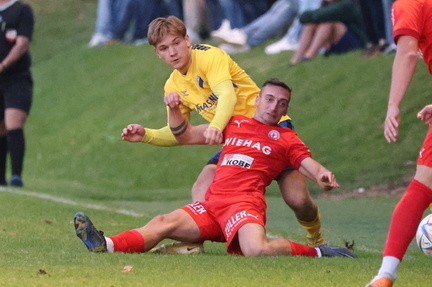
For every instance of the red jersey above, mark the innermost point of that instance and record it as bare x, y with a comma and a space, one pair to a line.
253, 155
414, 18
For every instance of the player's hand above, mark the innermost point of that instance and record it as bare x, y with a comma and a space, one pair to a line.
426, 114
391, 124
213, 136
133, 133
172, 100
327, 181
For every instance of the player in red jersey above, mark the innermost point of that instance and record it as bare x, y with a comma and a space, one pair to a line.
212, 84
256, 150
412, 32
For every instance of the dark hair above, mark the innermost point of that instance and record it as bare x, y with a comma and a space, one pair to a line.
277, 82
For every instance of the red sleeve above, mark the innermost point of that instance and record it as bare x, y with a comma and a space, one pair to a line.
297, 151
406, 15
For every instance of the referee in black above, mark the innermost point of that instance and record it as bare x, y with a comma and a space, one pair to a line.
16, 85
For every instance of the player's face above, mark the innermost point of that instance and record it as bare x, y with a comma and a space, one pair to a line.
175, 51
272, 104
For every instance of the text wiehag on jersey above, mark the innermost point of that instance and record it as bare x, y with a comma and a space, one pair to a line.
249, 143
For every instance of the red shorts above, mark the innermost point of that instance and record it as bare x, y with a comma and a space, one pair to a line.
425, 155
219, 220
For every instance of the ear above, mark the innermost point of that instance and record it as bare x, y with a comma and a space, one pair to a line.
257, 100
188, 41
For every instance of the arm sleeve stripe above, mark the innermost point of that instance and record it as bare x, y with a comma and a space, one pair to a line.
180, 129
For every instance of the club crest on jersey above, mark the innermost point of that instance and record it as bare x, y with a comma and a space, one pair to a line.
11, 35
238, 159
274, 134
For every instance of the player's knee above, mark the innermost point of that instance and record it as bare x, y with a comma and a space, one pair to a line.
303, 205
254, 250
165, 223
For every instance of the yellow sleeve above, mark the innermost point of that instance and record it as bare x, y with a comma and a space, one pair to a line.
227, 100
163, 137
160, 137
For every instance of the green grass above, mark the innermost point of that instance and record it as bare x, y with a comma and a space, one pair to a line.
75, 160
37, 236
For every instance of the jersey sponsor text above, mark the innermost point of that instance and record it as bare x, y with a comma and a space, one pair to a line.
249, 143
234, 220
238, 159
209, 104
197, 207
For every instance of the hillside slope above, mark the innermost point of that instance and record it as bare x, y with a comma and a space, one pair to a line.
84, 97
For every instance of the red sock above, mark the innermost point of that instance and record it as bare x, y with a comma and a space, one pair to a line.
128, 242
302, 250
406, 218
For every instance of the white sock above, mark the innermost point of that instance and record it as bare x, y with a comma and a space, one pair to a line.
389, 267
319, 252
109, 244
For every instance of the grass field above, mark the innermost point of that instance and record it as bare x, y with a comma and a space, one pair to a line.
76, 161
39, 247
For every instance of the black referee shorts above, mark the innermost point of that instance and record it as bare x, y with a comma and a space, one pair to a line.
16, 91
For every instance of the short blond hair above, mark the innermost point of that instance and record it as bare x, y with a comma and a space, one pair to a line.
161, 27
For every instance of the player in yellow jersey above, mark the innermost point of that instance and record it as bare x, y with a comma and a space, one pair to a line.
210, 82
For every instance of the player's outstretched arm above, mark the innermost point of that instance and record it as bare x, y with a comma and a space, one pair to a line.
184, 132
318, 173
133, 133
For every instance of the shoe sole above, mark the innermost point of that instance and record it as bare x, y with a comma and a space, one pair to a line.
82, 228
342, 254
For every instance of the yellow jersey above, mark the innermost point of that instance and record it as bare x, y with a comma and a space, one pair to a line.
209, 67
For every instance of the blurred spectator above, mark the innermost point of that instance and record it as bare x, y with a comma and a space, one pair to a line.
387, 6
107, 18
201, 17
337, 27
134, 21
271, 24
196, 19
239, 13
290, 41
174, 8
373, 19
127, 20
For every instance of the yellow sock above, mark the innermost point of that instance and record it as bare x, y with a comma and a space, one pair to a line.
313, 230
